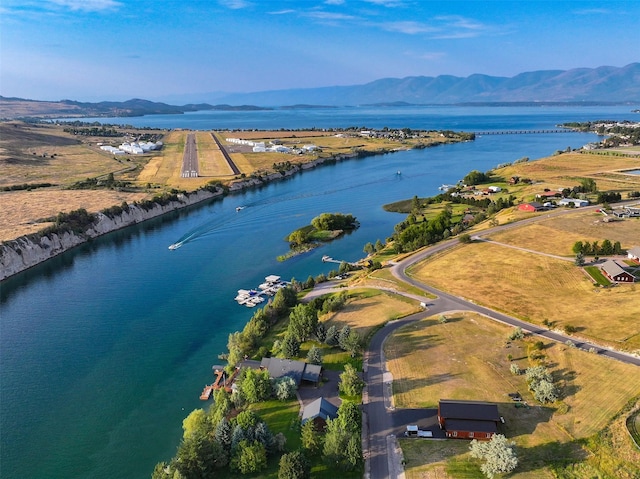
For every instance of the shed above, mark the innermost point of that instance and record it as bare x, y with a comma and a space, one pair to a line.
615, 273
319, 411
573, 201
468, 419
634, 254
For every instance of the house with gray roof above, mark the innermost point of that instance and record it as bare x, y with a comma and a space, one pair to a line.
298, 370
616, 273
319, 411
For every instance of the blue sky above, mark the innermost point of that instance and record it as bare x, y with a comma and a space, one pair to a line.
94, 50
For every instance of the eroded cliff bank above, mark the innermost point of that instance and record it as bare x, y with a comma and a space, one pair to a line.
23, 253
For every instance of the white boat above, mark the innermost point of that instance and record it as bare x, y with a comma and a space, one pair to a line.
175, 246
238, 208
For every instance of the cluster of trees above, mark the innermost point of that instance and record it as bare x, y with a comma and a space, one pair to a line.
76, 221
212, 441
612, 197
476, 177
410, 236
371, 248
94, 131
283, 166
93, 183
499, 455
594, 249
26, 186
541, 384
334, 221
341, 444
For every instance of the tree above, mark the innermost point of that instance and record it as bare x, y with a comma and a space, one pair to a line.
369, 248
298, 238
350, 382
302, 322
342, 448
284, 388
249, 458
579, 261
321, 332
350, 416
332, 336
578, 247
465, 238
499, 455
352, 343
255, 385
314, 356
311, 440
294, 465
379, 246
343, 336
194, 423
290, 346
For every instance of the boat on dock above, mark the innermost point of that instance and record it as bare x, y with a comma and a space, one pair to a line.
253, 297
446, 187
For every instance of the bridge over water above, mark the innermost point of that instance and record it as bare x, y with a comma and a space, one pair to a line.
522, 132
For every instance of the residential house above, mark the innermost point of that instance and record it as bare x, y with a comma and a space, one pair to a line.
531, 206
615, 273
319, 411
298, 370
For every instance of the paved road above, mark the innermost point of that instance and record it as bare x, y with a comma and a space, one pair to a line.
190, 158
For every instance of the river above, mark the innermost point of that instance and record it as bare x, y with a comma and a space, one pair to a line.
105, 349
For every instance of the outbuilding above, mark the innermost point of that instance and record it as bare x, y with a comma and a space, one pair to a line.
573, 201
468, 419
634, 254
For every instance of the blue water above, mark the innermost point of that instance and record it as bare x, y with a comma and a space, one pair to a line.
104, 350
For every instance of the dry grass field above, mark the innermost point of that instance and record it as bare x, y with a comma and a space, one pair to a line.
366, 310
22, 211
566, 170
430, 360
537, 288
212, 163
558, 235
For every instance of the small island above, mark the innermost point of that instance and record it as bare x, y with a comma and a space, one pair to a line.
323, 228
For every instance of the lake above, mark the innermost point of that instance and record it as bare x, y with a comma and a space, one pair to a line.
105, 349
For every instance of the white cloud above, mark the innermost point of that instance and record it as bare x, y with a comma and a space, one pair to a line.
88, 5
235, 4
319, 15
592, 11
408, 27
334, 2
387, 3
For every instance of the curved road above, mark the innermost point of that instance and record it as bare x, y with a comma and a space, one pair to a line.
381, 458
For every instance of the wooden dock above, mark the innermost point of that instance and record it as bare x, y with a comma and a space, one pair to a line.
207, 392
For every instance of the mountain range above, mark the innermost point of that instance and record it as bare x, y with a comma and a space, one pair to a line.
580, 85
602, 84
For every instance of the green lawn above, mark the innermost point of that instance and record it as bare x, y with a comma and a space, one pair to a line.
597, 275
